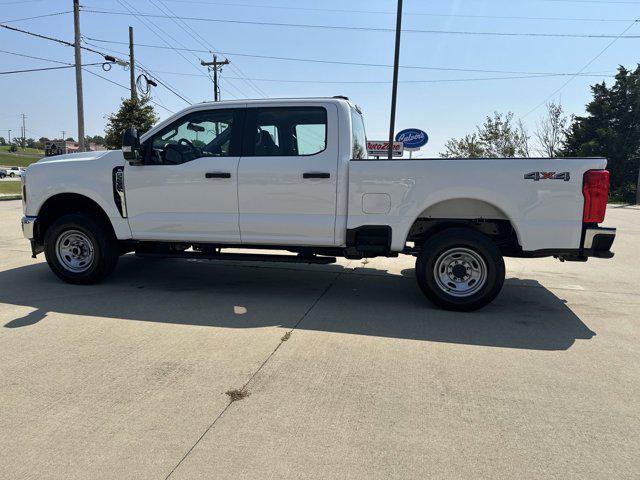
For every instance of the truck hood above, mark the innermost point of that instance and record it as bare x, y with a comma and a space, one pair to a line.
74, 157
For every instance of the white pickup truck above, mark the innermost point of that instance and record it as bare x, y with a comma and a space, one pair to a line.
293, 175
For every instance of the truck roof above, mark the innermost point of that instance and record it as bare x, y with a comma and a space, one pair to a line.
271, 100
239, 102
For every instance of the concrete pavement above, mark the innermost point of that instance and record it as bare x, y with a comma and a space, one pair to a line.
127, 379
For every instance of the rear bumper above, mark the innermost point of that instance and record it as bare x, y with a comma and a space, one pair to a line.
598, 241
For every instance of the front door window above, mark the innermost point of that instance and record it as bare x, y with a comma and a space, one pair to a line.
197, 135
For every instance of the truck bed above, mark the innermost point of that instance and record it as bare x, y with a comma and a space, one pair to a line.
542, 198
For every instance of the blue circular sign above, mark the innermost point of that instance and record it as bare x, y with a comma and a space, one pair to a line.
412, 138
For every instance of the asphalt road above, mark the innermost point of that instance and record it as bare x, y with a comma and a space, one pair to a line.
127, 379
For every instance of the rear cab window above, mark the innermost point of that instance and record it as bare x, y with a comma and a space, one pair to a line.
358, 136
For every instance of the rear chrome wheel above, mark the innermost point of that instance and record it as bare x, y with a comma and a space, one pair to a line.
460, 272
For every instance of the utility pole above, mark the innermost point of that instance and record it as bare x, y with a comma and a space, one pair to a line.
63, 136
78, 58
9, 137
214, 66
394, 88
132, 66
24, 130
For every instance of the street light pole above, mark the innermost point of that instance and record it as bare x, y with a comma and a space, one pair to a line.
394, 91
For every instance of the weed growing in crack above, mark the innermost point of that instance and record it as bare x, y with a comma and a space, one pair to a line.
235, 394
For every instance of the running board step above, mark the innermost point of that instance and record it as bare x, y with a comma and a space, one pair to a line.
244, 257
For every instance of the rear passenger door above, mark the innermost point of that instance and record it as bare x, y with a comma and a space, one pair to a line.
287, 175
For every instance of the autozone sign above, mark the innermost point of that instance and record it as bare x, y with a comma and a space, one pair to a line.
378, 148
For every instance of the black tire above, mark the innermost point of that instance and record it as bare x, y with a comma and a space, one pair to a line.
12, 174
448, 244
101, 240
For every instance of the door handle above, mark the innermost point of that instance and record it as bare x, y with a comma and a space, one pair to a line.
217, 175
316, 175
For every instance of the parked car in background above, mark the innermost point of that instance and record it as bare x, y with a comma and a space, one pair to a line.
15, 172
3, 173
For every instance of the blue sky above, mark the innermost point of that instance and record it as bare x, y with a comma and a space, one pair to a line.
448, 109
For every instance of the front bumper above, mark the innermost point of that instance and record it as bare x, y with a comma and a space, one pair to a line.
28, 227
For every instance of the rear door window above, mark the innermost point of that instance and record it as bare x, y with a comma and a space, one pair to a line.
285, 131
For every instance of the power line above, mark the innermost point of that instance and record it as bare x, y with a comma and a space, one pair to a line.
42, 69
233, 66
581, 70
37, 16
162, 7
69, 44
35, 58
17, 2
136, 13
153, 73
189, 29
52, 39
357, 64
386, 82
148, 71
592, 1
126, 88
133, 11
378, 29
409, 14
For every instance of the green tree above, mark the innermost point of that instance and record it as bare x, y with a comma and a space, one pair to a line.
97, 139
611, 129
41, 143
498, 136
132, 113
3, 142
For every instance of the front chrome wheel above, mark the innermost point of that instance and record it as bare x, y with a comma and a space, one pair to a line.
460, 272
74, 251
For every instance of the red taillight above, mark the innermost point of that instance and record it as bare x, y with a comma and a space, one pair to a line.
595, 188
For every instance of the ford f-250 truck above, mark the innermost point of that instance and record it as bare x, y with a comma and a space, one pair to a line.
293, 175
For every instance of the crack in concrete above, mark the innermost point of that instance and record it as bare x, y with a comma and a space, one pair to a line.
246, 384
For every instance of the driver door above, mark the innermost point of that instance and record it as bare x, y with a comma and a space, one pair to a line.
187, 188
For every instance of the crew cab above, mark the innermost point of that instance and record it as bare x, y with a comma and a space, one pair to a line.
293, 175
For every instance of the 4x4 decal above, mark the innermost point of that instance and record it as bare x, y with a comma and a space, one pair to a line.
537, 176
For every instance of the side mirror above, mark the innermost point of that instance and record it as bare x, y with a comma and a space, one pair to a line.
131, 145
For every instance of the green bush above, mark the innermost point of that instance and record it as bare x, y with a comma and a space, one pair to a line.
624, 194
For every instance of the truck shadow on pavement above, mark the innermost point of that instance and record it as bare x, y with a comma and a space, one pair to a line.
360, 301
